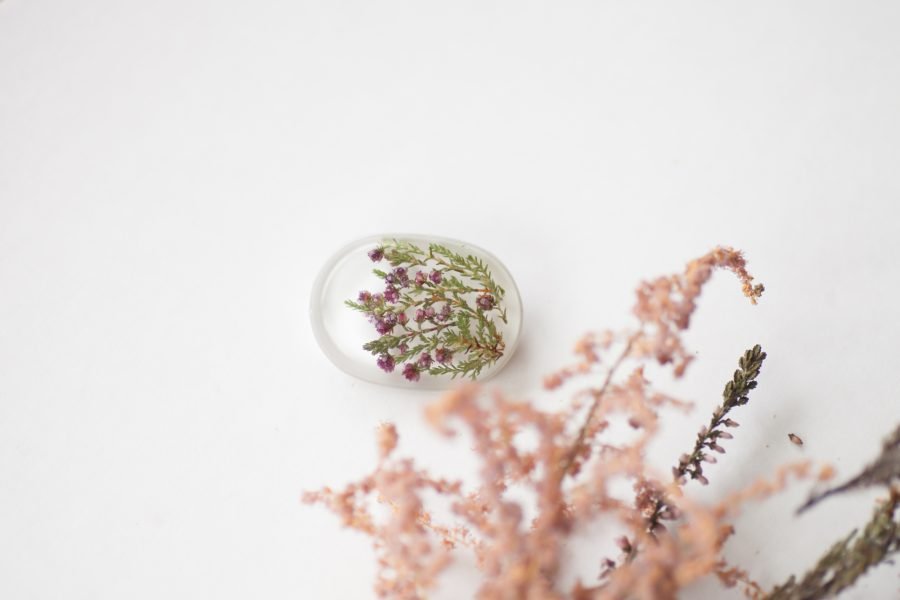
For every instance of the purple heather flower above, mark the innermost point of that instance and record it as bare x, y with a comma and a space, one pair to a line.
391, 294
390, 318
445, 313
442, 355
429, 312
382, 327
411, 372
435, 277
420, 278
378, 298
424, 361
402, 318
390, 279
376, 254
365, 297
385, 362
403, 348
400, 276
420, 315
485, 302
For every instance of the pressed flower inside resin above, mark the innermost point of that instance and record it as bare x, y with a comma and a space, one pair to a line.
425, 310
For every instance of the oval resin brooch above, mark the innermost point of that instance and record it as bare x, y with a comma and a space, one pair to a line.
413, 310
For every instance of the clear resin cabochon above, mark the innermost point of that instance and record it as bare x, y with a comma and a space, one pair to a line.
341, 331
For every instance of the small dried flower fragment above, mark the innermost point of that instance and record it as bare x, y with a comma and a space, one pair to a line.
410, 372
795, 439
387, 439
485, 302
386, 363
443, 355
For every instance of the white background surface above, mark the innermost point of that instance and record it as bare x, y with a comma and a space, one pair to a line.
172, 175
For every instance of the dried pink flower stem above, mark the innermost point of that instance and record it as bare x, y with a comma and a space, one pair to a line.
578, 444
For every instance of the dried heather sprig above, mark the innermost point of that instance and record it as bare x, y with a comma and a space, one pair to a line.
438, 302
844, 563
885, 470
691, 465
735, 394
664, 307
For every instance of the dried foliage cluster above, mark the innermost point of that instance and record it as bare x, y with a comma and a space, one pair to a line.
572, 473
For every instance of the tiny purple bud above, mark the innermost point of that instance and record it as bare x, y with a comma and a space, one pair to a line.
420, 278
442, 355
725, 435
365, 297
390, 318
403, 348
425, 360
445, 313
420, 315
391, 294
378, 298
411, 372
401, 277
385, 362
717, 448
429, 312
390, 279
436, 277
708, 458
730, 423
485, 302
376, 254
402, 318
703, 480
382, 327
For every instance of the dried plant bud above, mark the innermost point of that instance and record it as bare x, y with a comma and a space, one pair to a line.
826, 473
624, 544
795, 439
387, 439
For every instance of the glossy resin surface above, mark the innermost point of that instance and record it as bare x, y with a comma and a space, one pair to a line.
341, 331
